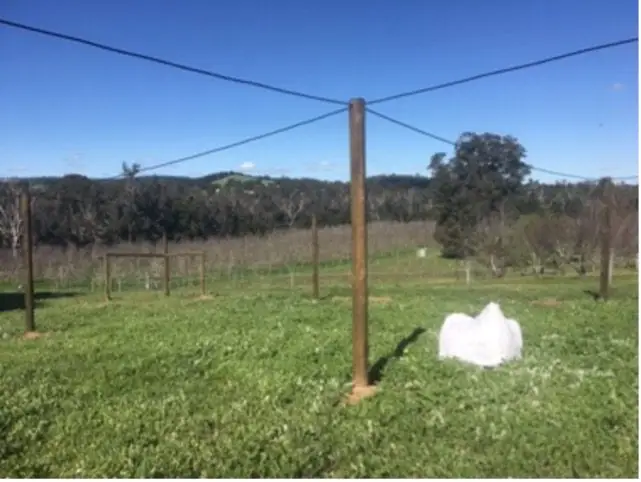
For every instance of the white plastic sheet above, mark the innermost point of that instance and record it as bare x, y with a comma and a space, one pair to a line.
488, 340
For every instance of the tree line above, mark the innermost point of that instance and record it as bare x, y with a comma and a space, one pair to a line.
481, 198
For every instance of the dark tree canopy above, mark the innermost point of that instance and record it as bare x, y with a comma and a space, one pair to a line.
480, 200
486, 173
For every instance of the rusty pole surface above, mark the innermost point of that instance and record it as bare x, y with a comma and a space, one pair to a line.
27, 246
359, 243
315, 259
167, 274
107, 266
606, 245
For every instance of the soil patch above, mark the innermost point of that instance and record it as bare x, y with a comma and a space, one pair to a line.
359, 393
550, 302
372, 299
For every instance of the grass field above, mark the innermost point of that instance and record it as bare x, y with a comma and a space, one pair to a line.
251, 384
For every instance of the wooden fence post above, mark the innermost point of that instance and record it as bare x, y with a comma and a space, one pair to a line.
203, 266
606, 241
315, 259
107, 266
27, 246
167, 273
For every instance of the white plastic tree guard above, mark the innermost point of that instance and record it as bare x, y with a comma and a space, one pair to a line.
488, 340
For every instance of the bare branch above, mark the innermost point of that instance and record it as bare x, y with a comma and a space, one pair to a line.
11, 222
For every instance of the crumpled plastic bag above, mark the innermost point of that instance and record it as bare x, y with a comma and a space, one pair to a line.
488, 340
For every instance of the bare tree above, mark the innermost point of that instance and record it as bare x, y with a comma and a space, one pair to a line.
292, 206
131, 194
415, 203
626, 234
625, 222
533, 241
488, 243
11, 221
89, 224
338, 199
375, 201
254, 203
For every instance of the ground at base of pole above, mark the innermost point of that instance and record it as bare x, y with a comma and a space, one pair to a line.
32, 335
359, 393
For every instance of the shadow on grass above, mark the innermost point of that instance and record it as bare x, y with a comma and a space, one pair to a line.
377, 370
618, 293
15, 301
595, 295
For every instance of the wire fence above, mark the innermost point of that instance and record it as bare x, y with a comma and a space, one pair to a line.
277, 258
398, 252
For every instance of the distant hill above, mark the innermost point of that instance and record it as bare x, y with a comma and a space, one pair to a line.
223, 178
241, 178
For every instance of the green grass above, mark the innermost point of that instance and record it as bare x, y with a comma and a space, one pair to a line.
251, 385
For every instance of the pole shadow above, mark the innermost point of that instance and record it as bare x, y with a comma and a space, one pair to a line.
376, 372
10, 301
595, 295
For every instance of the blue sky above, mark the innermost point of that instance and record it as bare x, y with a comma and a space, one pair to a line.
70, 108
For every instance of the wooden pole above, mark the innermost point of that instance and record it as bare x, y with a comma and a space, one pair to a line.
27, 246
167, 274
315, 259
606, 241
359, 244
203, 265
107, 277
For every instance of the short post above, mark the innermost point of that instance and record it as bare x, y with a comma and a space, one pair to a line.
167, 274
360, 347
203, 265
27, 246
315, 259
107, 266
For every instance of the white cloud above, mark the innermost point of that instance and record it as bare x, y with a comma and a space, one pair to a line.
617, 86
247, 166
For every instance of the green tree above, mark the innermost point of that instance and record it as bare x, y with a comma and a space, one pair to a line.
474, 186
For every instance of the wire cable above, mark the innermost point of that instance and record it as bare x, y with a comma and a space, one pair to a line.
248, 140
452, 143
506, 70
168, 63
